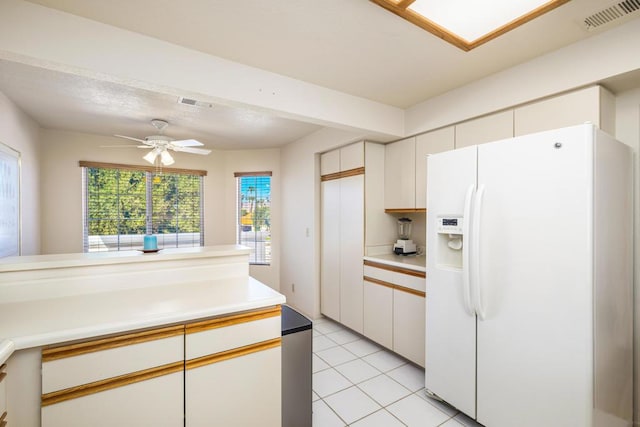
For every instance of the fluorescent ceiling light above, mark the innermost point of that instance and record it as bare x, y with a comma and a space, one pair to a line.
469, 23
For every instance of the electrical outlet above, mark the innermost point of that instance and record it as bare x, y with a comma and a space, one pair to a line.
307, 232
293, 287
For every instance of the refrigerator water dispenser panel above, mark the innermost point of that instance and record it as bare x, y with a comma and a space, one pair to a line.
450, 241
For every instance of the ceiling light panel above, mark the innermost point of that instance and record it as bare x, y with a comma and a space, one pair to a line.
472, 19
469, 23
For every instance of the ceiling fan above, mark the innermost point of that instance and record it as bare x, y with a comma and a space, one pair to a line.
160, 144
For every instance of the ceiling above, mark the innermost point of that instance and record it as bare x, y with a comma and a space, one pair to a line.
352, 46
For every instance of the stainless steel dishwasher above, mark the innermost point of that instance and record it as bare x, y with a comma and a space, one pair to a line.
296, 368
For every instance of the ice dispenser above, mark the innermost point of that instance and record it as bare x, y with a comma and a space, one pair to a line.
450, 241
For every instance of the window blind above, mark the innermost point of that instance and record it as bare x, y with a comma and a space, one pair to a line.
122, 204
254, 214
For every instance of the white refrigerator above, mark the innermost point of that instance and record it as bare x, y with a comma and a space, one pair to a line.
529, 280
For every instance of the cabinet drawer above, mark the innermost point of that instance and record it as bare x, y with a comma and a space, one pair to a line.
225, 333
89, 361
157, 402
405, 278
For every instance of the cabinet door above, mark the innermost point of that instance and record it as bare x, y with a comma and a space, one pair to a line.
130, 379
236, 392
155, 402
400, 174
593, 104
351, 250
378, 313
430, 143
489, 128
330, 162
409, 325
352, 156
330, 250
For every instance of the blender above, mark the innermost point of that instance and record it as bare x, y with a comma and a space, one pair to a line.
404, 245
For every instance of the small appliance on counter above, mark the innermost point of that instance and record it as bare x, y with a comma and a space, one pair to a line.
404, 245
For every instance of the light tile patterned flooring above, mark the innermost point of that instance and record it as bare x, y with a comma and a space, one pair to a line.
358, 383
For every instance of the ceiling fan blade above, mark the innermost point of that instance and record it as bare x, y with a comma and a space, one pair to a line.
131, 138
187, 143
192, 150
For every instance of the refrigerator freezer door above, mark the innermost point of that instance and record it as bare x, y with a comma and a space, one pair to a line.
450, 357
535, 342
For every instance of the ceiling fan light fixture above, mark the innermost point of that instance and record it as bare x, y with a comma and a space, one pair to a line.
166, 158
151, 155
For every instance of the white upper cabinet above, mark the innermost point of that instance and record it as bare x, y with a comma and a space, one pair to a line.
485, 129
330, 162
400, 175
352, 156
593, 104
430, 143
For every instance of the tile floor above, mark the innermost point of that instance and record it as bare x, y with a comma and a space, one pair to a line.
358, 383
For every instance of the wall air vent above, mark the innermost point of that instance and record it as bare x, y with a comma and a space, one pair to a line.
195, 102
610, 14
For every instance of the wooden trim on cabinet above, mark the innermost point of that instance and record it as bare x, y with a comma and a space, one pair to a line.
379, 282
110, 383
221, 322
394, 286
395, 269
405, 210
84, 347
343, 174
233, 353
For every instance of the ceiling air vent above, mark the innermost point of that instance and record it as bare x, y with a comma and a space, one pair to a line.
195, 102
610, 14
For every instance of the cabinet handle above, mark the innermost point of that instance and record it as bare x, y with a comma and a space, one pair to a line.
110, 383
406, 271
231, 354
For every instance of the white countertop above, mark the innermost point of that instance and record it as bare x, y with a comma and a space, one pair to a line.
39, 262
411, 262
46, 321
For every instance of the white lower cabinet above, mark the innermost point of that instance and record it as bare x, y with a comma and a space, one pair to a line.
409, 325
240, 391
220, 371
154, 402
394, 309
233, 371
378, 313
130, 379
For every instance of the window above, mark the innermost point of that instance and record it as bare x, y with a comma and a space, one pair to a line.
123, 203
254, 214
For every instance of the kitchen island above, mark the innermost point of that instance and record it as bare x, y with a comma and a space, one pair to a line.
139, 339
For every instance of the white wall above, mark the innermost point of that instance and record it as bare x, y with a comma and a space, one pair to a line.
300, 248
21, 133
580, 64
61, 190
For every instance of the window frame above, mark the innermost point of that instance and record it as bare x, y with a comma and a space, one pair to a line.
266, 259
150, 173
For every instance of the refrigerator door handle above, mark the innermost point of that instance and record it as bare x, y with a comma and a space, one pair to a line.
466, 251
475, 254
